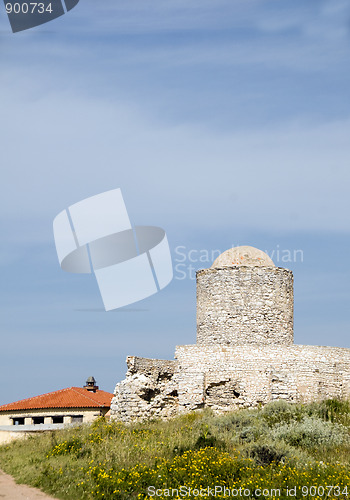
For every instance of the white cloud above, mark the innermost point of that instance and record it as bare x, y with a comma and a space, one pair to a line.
62, 148
69, 132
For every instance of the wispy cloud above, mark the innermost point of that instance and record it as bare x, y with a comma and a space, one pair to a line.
295, 176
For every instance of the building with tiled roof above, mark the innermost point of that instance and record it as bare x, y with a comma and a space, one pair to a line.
54, 410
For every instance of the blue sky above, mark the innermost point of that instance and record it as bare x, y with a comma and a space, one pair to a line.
226, 123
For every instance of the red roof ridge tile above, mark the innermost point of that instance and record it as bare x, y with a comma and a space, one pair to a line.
89, 392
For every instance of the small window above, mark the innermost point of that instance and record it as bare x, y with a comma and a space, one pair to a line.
57, 420
77, 419
18, 421
38, 420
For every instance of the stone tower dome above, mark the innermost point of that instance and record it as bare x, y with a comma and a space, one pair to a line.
244, 299
243, 256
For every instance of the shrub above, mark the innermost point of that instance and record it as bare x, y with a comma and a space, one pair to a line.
269, 451
281, 412
332, 410
253, 432
265, 454
237, 420
312, 432
207, 439
70, 446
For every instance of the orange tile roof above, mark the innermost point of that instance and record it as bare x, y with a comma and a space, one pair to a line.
72, 397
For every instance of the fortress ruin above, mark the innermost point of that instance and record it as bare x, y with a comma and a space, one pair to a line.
245, 353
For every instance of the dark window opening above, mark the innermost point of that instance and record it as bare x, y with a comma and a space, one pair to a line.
38, 420
18, 421
77, 419
57, 420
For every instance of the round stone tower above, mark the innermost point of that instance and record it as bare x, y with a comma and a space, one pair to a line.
244, 299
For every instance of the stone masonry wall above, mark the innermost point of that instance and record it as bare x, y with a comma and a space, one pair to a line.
244, 354
225, 378
244, 305
149, 390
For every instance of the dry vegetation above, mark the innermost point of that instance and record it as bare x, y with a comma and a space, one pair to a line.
279, 446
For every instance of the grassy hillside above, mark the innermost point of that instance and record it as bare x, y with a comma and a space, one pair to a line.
249, 452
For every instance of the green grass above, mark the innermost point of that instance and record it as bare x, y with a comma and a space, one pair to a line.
279, 446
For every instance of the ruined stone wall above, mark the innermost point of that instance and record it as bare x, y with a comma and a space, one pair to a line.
244, 354
225, 378
244, 305
149, 390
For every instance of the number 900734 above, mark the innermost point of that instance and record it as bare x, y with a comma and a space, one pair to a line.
28, 8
